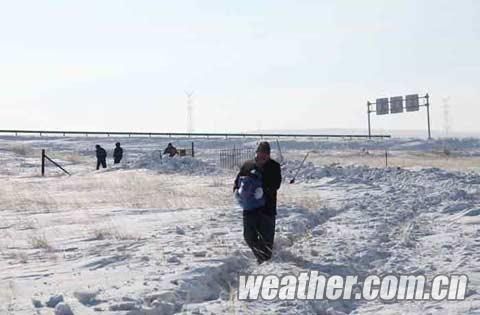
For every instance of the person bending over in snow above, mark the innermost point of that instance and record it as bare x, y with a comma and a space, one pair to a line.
170, 150
101, 156
255, 188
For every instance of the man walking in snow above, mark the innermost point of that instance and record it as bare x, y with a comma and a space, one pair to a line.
117, 153
259, 223
101, 156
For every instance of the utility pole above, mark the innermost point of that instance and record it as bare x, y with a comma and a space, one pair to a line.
427, 97
369, 126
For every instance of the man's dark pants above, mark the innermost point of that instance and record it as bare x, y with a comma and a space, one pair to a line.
102, 162
259, 233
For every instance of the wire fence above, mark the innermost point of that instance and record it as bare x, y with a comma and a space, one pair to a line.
46, 157
234, 158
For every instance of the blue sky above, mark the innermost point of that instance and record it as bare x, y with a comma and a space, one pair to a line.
125, 65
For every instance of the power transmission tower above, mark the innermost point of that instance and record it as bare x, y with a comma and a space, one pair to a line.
189, 111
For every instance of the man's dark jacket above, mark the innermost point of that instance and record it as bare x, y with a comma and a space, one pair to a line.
101, 153
118, 153
272, 179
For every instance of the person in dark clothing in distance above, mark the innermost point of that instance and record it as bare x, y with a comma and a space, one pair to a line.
117, 153
259, 224
170, 150
101, 156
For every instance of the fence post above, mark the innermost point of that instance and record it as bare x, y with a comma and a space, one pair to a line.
193, 150
43, 162
386, 158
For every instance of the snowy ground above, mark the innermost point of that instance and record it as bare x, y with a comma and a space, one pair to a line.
156, 236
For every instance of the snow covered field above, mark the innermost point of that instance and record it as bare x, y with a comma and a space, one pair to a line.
155, 236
